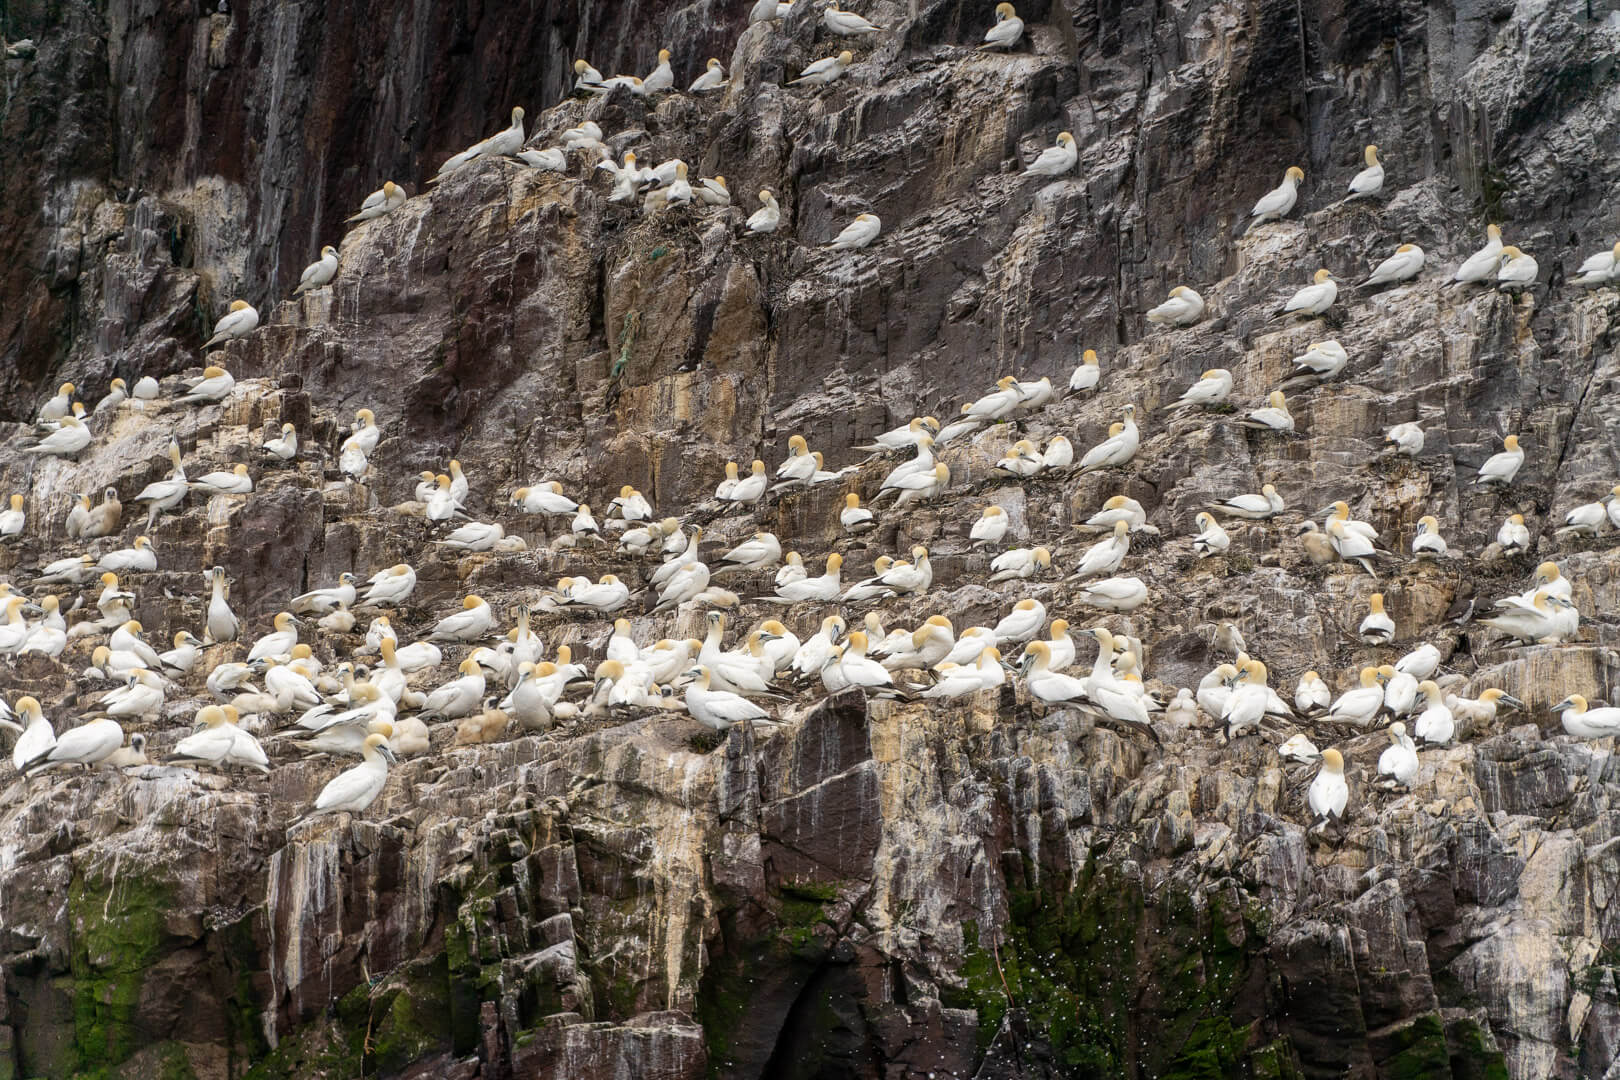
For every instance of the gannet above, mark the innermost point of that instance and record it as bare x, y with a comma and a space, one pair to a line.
1020, 563
750, 488
825, 587
1113, 594
481, 536
1182, 308
1400, 760
183, 657
1435, 725
607, 595
235, 482
1377, 628
589, 79
960, 680
1421, 662
1599, 269
459, 696
545, 498
1369, 181
65, 441
760, 551
146, 389
799, 466
1007, 30
161, 495
919, 487
641, 540
106, 518
1311, 695
1211, 538
1045, 685
1211, 388
14, 631
857, 234
1579, 721
214, 386
1482, 710
365, 431
1105, 556
278, 644
1501, 468
1087, 375
87, 744
996, 405
37, 737
285, 446
712, 191
138, 558
661, 78
1059, 453
1404, 265
1405, 439
352, 461
1247, 704
1428, 543
1360, 705
1022, 459
990, 527
845, 23
355, 789
1315, 298
679, 190
117, 394
718, 709
1518, 270
1588, 519
767, 217
319, 274
385, 200
13, 519
49, 635
1019, 625
240, 321
1544, 618
1118, 449
1400, 690
1298, 748
1328, 793
854, 517
1273, 416
1280, 199
1513, 535
713, 78
74, 570
820, 73
1267, 504
920, 649
79, 516
1055, 160
1035, 394
1482, 264
57, 406
551, 159
792, 569
1117, 508
321, 601
904, 437
390, 587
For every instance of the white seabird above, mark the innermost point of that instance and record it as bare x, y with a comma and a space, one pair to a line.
1502, 467
1370, 180
240, 321
1315, 298
1377, 628
713, 78
1400, 761
1007, 30
1273, 416
1212, 388
823, 71
319, 274
1405, 439
857, 234
1579, 721
385, 200
1518, 270
1328, 793
1183, 307
1055, 160
1280, 199
1405, 264
1482, 264
1087, 374
1267, 504
846, 23
1599, 269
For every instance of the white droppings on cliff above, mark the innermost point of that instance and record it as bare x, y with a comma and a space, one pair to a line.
303, 880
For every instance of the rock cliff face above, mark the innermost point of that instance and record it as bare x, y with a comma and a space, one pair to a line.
872, 890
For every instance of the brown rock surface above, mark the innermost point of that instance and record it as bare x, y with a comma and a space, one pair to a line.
987, 890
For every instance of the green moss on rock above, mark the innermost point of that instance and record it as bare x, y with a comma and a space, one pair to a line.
117, 930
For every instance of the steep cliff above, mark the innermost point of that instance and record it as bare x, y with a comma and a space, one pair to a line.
881, 890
